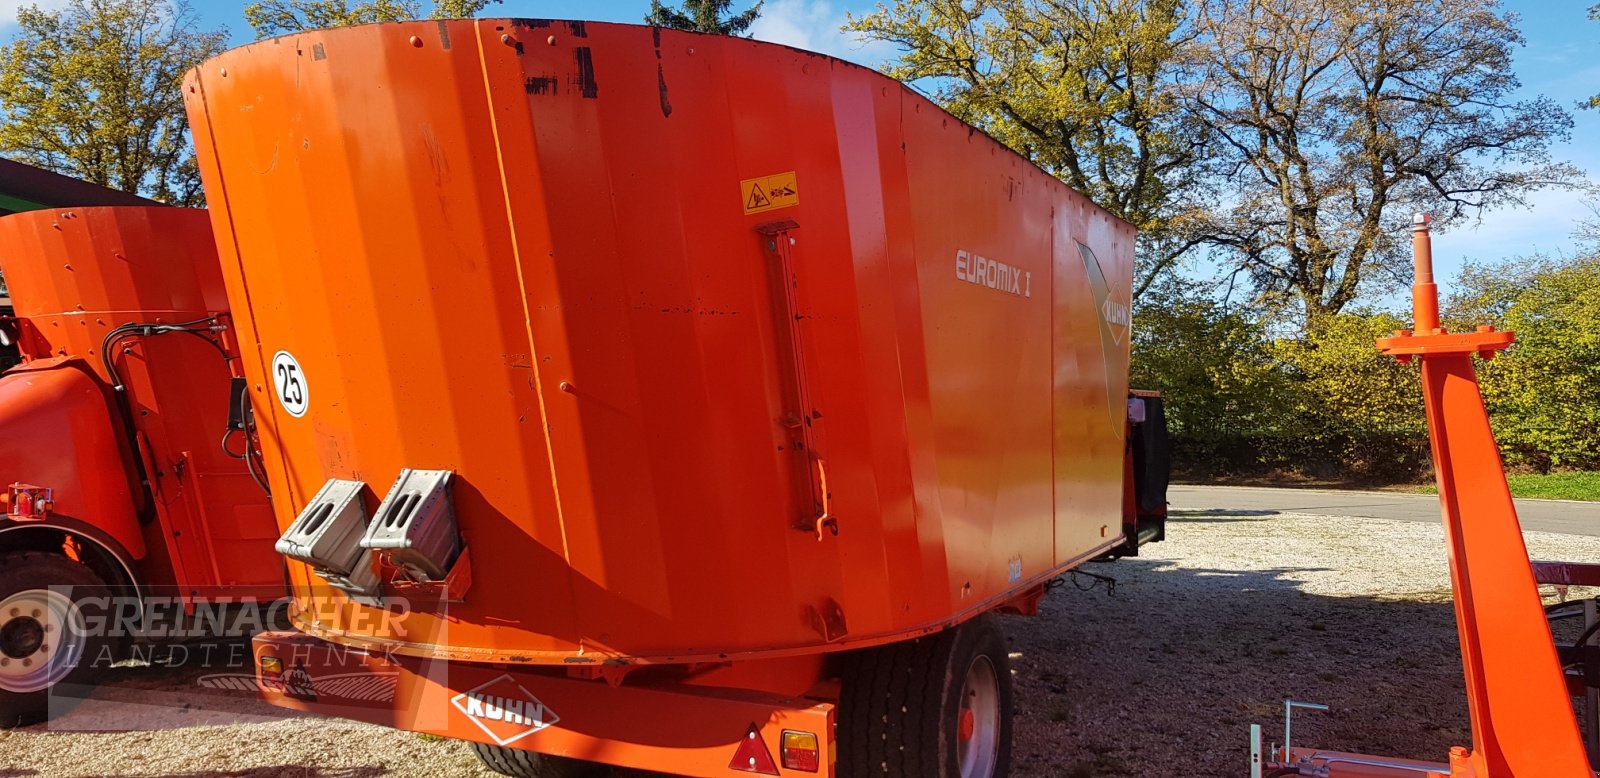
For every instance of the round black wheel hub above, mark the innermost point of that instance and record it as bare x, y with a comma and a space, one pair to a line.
21, 637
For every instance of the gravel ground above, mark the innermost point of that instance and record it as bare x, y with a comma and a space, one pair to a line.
1205, 634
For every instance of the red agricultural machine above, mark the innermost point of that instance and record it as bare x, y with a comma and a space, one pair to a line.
642, 398
109, 435
1520, 684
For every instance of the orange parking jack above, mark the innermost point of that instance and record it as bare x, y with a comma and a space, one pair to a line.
1522, 720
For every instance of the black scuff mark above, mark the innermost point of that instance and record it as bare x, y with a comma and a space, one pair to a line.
661, 83
519, 48
586, 83
541, 85
444, 35
578, 29
655, 34
537, 24
317, 52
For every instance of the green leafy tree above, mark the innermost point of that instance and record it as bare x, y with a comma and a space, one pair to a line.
276, 17
1087, 89
710, 16
1358, 411
94, 91
1339, 118
1213, 364
1541, 392
1240, 400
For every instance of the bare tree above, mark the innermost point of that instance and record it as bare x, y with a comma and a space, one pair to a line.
1338, 118
1087, 89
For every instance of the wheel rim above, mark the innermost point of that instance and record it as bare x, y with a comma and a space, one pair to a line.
978, 720
41, 640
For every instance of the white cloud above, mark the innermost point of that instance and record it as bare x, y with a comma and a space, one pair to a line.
9, 9
816, 25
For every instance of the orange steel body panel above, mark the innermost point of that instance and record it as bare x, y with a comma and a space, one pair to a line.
75, 275
676, 727
56, 431
534, 253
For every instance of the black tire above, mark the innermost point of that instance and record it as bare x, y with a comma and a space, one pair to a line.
901, 706
528, 764
28, 574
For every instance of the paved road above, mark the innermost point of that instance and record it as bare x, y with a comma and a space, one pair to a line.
1572, 518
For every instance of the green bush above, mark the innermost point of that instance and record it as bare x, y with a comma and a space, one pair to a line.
1241, 402
1544, 392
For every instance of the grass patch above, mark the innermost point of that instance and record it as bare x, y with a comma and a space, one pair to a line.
1553, 486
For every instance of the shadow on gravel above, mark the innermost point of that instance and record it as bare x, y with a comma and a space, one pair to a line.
1219, 515
1174, 668
284, 771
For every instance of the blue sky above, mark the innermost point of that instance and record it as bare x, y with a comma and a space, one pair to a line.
1561, 60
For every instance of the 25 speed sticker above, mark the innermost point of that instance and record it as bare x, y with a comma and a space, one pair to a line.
289, 384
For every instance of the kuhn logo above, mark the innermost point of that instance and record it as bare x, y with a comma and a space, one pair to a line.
504, 710
1118, 316
994, 274
1115, 320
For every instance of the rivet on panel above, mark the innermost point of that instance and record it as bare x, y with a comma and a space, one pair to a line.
551, 40
223, 72
566, 386
506, 39
691, 49
416, 42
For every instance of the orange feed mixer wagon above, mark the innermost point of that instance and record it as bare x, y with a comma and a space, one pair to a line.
662, 400
119, 491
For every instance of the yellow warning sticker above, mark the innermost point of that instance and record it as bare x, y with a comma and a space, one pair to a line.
769, 193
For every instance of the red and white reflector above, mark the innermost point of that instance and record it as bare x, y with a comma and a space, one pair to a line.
799, 751
752, 755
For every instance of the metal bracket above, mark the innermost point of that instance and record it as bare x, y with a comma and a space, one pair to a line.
1288, 721
326, 535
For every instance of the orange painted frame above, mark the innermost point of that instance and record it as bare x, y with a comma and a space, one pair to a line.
1523, 724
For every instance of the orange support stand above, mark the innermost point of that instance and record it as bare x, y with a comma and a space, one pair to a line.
1522, 719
